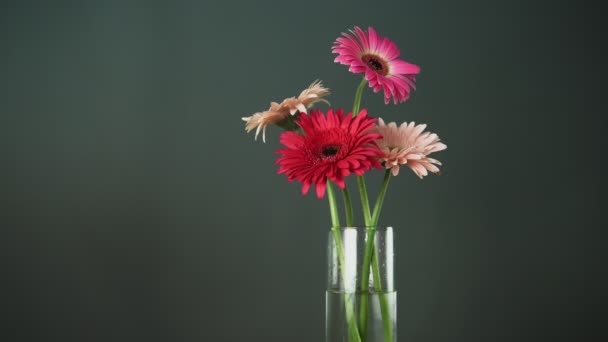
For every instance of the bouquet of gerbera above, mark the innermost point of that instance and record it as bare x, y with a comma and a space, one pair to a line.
321, 149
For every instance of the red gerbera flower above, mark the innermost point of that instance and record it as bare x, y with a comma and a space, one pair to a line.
377, 57
332, 147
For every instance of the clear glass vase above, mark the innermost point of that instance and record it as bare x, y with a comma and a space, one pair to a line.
361, 301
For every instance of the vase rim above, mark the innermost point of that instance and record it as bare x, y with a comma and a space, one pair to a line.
365, 227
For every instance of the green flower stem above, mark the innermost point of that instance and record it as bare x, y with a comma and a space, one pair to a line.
386, 319
348, 208
380, 199
369, 250
367, 217
358, 95
333, 205
363, 305
360, 180
349, 306
371, 221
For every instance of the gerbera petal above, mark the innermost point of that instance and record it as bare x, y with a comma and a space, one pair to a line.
403, 67
437, 147
343, 164
340, 182
320, 189
373, 39
305, 187
301, 107
362, 38
389, 49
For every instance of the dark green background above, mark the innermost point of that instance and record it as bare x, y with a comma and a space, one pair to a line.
135, 207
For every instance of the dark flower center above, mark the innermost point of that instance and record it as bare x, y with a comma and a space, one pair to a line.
327, 146
330, 150
377, 64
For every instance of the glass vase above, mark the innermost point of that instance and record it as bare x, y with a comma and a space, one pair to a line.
361, 301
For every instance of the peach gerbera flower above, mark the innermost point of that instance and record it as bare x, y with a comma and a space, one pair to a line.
290, 106
261, 120
408, 145
309, 96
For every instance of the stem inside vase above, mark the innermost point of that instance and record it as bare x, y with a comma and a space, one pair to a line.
347, 298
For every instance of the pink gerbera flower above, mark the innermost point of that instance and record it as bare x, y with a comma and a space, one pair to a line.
408, 145
377, 57
332, 147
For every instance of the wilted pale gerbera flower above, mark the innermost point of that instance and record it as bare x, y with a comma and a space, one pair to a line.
332, 147
309, 96
261, 120
290, 106
408, 145
377, 57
